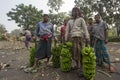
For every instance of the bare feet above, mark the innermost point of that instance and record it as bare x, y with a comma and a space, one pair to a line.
112, 69
74, 68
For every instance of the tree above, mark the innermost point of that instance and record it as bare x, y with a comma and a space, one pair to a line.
2, 29
25, 16
54, 5
55, 17
110, 12
58, 18
15, 32
3, 32
108, 9
85, 7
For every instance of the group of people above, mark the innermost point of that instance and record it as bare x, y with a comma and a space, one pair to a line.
76, 31
96, 33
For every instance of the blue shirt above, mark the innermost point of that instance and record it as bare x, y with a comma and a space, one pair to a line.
44, 29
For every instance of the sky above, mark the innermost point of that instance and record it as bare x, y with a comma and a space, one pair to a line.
6, 5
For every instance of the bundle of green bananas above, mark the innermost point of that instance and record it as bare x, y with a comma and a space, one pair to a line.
32, 56
89, 62
32, 53
66, 61
56, 55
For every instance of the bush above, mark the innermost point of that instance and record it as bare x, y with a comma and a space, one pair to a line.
2, 37
114, 39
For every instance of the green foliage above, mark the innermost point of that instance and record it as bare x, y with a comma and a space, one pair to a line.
114, 39
66, 57
2, 29
15, 32
32, 56
89, 62
2, 37
58, 18
55, 5
56, 56
108, 9
25, 16
112, 32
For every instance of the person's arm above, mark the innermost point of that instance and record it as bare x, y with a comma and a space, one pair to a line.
61, 32
93, 30
85, 29
67, 31
106, 32
106, 36
53, 33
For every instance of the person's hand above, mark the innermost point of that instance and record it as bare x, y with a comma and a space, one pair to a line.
34, 37
106, 41
56, 39
87, 41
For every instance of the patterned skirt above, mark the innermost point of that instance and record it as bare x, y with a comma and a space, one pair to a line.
101, 52
78, 45
43, 49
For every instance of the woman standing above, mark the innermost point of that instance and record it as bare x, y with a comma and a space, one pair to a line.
90, 29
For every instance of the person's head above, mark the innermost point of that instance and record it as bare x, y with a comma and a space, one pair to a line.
45, 18
76, 12
25, 29
97, 18
65, 22
90, 20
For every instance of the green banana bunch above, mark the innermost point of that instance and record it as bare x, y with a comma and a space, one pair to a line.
66, 61
32, 56
89, 62
56, 56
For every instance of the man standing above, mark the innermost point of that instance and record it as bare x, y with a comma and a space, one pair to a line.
27, 38
45, 32
75, 30
90, 29
101, 39
63, 28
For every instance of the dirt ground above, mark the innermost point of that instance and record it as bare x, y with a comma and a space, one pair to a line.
10, 54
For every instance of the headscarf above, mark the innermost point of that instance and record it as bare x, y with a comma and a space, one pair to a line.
76, 12
99, 16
